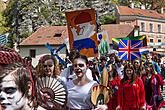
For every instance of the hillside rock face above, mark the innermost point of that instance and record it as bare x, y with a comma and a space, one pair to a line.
32, 14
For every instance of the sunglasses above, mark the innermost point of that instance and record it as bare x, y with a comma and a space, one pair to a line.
48, 66
79, 65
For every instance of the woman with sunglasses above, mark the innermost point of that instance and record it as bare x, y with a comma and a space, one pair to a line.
79, 89
152, 83
131, 95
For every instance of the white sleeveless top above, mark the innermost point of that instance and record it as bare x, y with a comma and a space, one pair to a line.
79, 96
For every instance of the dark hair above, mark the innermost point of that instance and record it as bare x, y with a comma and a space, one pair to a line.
28, 58
21, 75
83, 57
155, 58
13, 62
151, 66
73, 53
140, 68
103, 58
114, 70
129, 65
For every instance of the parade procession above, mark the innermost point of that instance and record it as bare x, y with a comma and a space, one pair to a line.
85, 62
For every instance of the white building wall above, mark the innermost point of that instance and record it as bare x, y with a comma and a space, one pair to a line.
40, 51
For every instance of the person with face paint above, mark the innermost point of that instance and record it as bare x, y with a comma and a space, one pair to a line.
13, 96
16, 83
131, 94
68, 73
79, 89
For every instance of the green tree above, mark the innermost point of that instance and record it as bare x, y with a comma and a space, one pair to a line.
108, 19
3, 29
22, 14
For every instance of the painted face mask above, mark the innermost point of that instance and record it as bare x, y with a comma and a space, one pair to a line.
80, 67
10, 97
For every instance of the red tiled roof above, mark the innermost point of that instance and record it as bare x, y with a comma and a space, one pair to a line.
47, 34
117, 30
124, 10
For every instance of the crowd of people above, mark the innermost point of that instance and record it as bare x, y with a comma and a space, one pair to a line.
134, 85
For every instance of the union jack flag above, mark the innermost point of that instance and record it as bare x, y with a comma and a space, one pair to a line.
129, 49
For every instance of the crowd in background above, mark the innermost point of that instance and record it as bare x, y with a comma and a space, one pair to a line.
134, 85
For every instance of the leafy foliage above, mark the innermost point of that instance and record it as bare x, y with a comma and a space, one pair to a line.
108, 19
23, 17
3, 29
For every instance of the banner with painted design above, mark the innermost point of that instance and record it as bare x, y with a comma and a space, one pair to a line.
82, 31
103, 47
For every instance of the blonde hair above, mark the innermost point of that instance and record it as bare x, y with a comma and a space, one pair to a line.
40, 66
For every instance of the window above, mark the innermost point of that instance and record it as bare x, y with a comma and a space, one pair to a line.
57, 35
151, 27
151, 40
159, 28
159, 40
142, 26
32, 53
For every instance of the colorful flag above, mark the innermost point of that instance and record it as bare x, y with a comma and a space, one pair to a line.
4, 39
129, 49
143, 38
144, 50
82, 31
54, 52
103, 47
115, 41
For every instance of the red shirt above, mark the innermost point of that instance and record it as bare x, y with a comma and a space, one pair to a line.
131, 95
114, 84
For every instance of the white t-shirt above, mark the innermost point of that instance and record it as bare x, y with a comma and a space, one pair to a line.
79, 96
